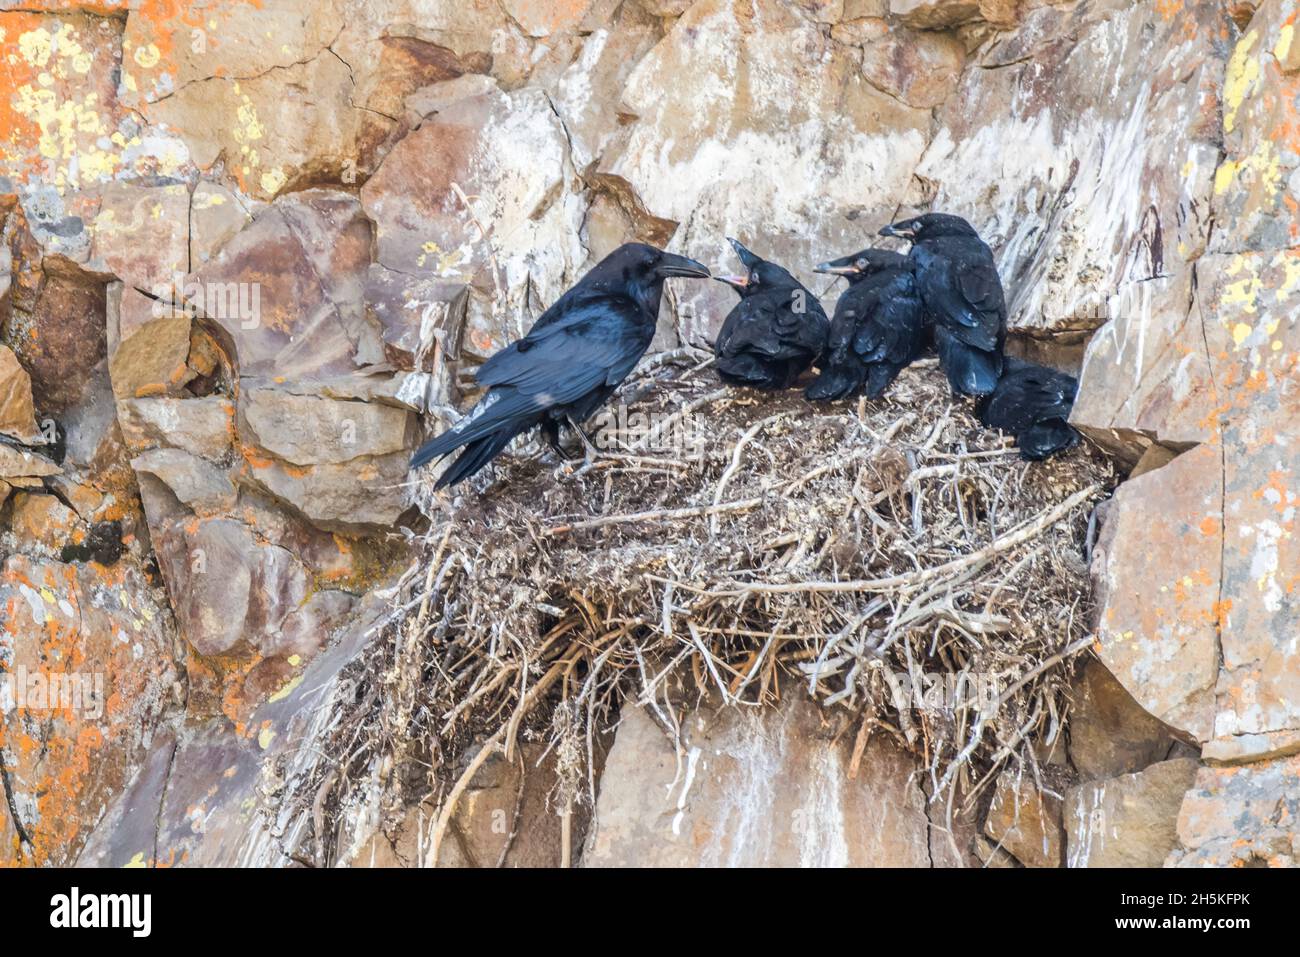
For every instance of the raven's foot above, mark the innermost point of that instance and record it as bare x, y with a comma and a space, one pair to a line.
592, 453
561, 452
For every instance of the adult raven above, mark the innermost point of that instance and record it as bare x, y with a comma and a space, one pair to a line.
879, 326
569, 364
959, 284
1032, 403
776, 330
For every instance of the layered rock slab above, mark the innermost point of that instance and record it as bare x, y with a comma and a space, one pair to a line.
756, 789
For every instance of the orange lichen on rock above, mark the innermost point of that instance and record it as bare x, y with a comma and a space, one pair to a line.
82, 707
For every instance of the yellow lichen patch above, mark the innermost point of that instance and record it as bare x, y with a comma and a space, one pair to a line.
207, 200
287, 690
1242, 74
1282, 49
1224, 176
1289, 260
448, 262
160, 25
273, 180
1243, 293
147, 56
50, 123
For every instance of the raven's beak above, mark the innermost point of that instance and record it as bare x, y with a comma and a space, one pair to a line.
746, 257
840, 267
738, 283
673, 265
898, 231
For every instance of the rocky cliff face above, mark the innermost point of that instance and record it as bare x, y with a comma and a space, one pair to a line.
344, 206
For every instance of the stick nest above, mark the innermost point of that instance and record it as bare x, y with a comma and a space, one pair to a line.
859, 549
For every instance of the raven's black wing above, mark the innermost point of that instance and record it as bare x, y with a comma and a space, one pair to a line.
879, 328
802, 324
597, 344
892, 329
750, 327
781, 324
960, 284
1027, 395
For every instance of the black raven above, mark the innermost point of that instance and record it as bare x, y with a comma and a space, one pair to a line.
879, 326
1032, 403
569, 364
959, 284
776, 330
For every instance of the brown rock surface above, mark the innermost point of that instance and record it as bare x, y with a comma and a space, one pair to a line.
42, 523
19, 463
1234, 817
202, 426
203, 782
1110, 733
1127, 821
1156, 569
216, 215
152, 360
88, 671
140, 235
1026, 821
733, 117
61, 337
495, 802
1097, 101
1220, 374
287, 288
201, 486
228, 588
17, 413
492, 157
755, 790
934, 14
921, 69
309, 430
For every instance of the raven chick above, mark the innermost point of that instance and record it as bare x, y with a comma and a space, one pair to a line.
959, 284
879, 326
774, 333
569, 364
1032, 403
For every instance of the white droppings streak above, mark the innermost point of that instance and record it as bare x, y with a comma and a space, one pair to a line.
692, 759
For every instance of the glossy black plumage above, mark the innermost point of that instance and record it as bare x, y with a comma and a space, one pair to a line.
774, 333
879, 327
569, 363
958, 281
1032, 403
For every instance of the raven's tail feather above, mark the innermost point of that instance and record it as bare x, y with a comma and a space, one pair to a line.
879, 377
433, 449
970, 371
476, 455
502, 408
748, 370
837, 381
1046, 438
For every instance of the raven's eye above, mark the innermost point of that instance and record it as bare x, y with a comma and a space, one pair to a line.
861, 264
753, 277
